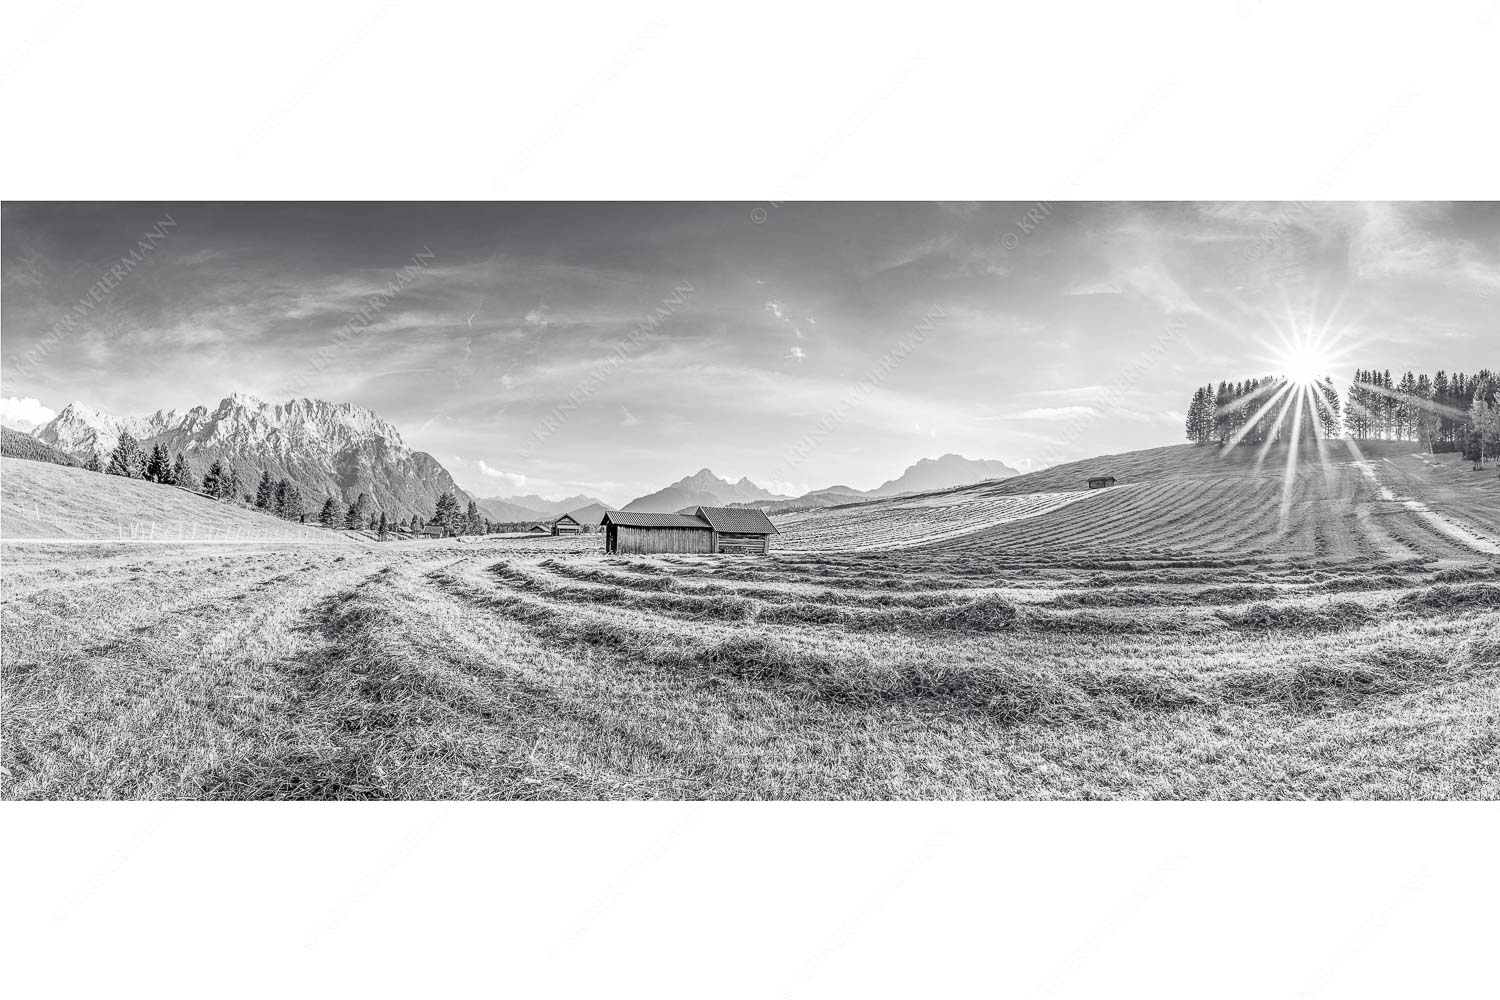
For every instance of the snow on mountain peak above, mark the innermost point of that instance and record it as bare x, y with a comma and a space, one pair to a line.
241, 420
336, 448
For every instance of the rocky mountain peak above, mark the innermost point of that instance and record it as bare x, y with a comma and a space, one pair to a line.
338, 448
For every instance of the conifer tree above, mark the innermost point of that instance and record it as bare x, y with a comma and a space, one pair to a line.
158, 465
289, 501
383, 529
328, 517
1194, 426
93, 464
265, 491
355, 518
1484, 418
211, 478
125, 460
446, 513
182, 474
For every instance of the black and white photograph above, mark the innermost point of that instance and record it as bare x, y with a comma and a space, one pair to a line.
736, 501
570, 506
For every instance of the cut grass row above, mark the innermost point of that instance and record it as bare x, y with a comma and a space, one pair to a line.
1008, 691
987, 612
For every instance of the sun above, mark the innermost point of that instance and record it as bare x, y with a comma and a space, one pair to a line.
1305, 362
1306, 352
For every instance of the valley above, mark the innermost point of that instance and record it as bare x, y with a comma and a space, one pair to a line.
1174, 636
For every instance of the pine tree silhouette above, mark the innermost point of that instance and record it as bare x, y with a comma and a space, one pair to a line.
125, 460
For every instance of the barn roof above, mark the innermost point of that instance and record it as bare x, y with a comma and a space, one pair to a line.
567, 517
645, 519
745, 520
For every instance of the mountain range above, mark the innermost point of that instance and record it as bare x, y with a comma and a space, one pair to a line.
326, 448
534, 508
345, 450
701, 488
943, 473
706, 489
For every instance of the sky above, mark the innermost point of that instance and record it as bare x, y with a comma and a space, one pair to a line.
612, 348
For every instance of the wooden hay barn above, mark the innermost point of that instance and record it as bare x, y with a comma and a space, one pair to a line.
744, 530
567, 525
707, 530
539, 529
1100, 482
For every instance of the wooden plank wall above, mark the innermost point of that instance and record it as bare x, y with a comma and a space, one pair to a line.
743, 544
642, 540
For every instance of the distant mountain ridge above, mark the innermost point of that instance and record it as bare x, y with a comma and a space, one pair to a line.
943, 473
702, 488
926, 475
534, 508
326, 448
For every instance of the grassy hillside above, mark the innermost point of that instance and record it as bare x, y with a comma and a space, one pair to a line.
39, 500
1378, 499
1172, 637
14, 444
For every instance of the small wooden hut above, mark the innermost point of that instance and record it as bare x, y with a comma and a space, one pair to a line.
635, 532
1100, 482
567, 525
738, 530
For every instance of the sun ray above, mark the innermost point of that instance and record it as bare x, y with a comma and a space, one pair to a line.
1237, 402
1254, 419
1289, 477
1272, 433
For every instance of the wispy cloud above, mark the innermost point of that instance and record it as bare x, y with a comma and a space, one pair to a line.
1055, 413
523, 302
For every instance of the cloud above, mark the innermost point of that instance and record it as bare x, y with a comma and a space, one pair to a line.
1055, 413
797, 354
1077, 391
513, 480
1095, 288
627, 418
776, 309
24, 413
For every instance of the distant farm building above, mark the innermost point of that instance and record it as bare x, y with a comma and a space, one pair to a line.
433, 531
539, 529
567, 525
707, 530
589, 517
1100, 482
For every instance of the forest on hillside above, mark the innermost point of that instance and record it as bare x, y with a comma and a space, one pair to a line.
1441, 412
14, 444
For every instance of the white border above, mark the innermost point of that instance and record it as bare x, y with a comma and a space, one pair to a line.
773, 102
